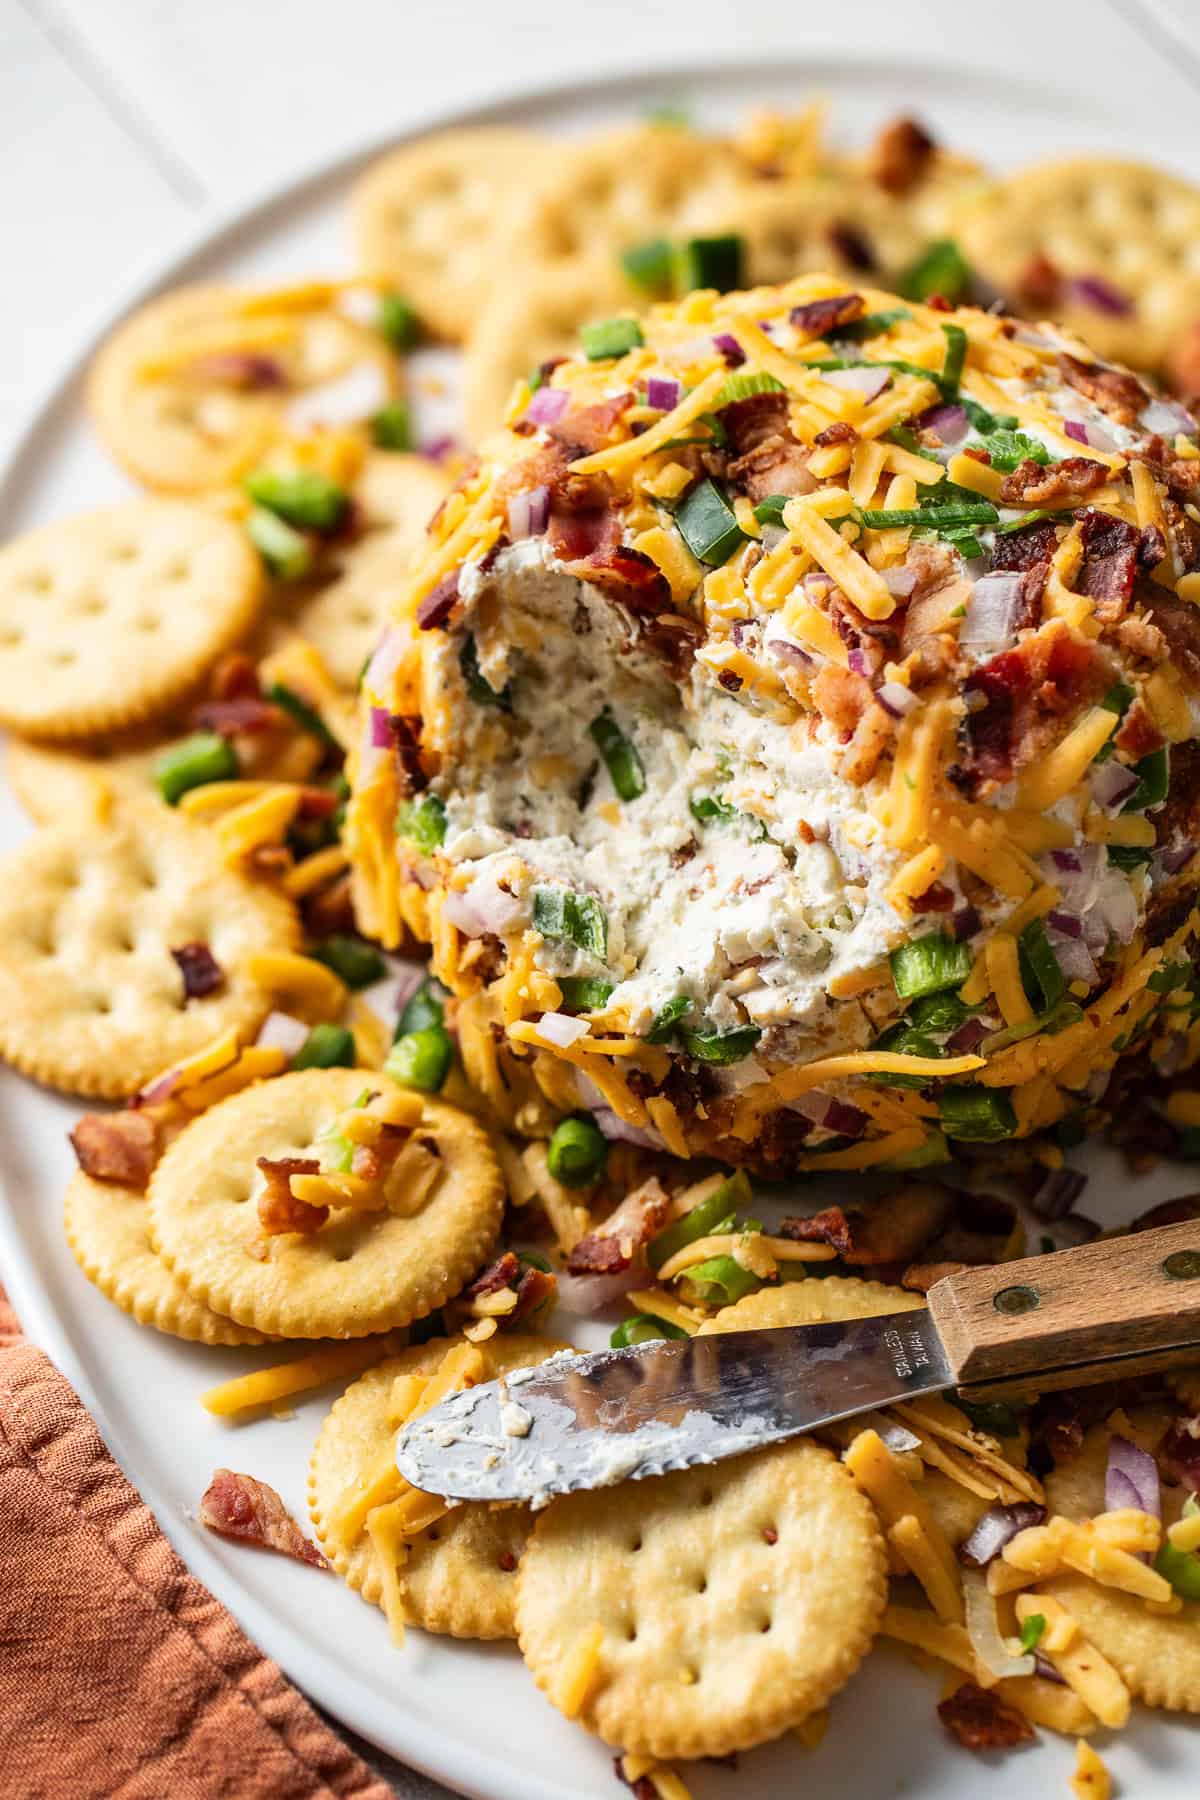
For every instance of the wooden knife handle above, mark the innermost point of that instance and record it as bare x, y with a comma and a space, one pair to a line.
1125, 1305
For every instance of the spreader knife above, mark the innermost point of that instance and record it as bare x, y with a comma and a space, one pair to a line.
1121, 1306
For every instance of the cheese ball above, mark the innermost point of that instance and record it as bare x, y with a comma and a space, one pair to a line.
786, 741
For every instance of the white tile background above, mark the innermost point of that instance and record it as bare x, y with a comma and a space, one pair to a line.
123, 123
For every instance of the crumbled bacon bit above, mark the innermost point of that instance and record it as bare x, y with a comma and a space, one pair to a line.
872, 735
614, 1243
121, 1146
499, 1274
628, 576
900, 155
840, 432
1033, 484
1138, 735
1115, 391
1179, 1452
202, 973
729, 680
246, 370
820, 317
269, 860
278, 1208
239, 1506
405, 729
674, 640
769, 459
1039, 283
507, 1561
1179, 623
841, 697
589, 428
935, 899
852, 246
770, 1535
892, 1230
244, 713
1140, 638
1111, 549
1027, 693
1025, 549
981, 1720
918, 1278
642, 1789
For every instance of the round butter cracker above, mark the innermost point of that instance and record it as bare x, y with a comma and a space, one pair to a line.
424, 218
108, 617
106, 1226
361, 1272
91, 999
459, 1578
812, 1301
733, 1601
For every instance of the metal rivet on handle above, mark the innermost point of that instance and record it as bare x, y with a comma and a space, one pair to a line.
1017, 1300
1182, 1265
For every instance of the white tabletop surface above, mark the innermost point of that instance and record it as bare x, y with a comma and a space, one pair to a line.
124, 122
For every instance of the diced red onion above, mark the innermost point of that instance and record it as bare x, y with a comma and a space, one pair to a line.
993, 610
900, 581
1065, 922
857, 662
1131, 1479
161, 1088
1076, 874
1095, 291
584, 1294
439, 448
949, 421
1075, 428
998, 1526
1072, 954
385, 660
895, 698
1174, 860
280, 1031
381, 730
696, 350
1165, 417
832, 1114
484, 907
968, 1037
783, 650
965, 922
561, 1029
439, 602
1111, 784
859, 380
983, 1628
730, 349
1066, 861
1057, 1194
1046, 1669
1116, 906
612, 1126
529, 513
547, 406
663, 392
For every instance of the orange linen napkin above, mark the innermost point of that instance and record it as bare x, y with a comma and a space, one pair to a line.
119, 1673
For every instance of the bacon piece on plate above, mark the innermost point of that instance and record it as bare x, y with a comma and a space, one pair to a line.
1115, 391
238, 1506
1036, 484
823, 316
981, 1720
589, 428
769, 457
614, 1244
120, 1146
202, 973
278, 1208
900, 155
1028, 694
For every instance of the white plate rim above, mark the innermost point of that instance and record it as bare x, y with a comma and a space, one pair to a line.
212, 231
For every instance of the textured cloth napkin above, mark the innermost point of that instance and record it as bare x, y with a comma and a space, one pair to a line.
120, 1675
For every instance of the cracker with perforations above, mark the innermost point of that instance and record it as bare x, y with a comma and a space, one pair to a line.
123, 949
459, 1574
1106, 247
53, 780
424, 217
108, 617
811, 1302
1156, 1655
703, 1612
345, 619
107, 1229
356, 1272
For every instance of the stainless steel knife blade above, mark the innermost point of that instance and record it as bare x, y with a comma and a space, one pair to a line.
620, 1415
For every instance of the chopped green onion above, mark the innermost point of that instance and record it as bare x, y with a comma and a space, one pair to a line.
720, 1281
478, 688
956, 356
976, 1114
942, 269
966, 543
326, 1047
770, 510
306, 716
352, 958
563, 915
665, 1023
1181, 1567
1119, 698
650, 266
1032, 518
397, 322
621, 759
705, 808
1171, 976
1031, 1631
908, 440
995, 1417
1056, 1019
643, 1328
577, 1152
984, 422
870, 325
584, 993
710, 262
422, 822
391, 427
1154, 778
335, 1153
952, 516
286, 552
720, 1047
709, 525
424, 1009
610, 338
938, 1012
902, 1040
421, 1059
303, 497
744, 385
195, 762
926, 1155
702, 1221
1008, 448
926, 965
1126, 857
1040, 965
